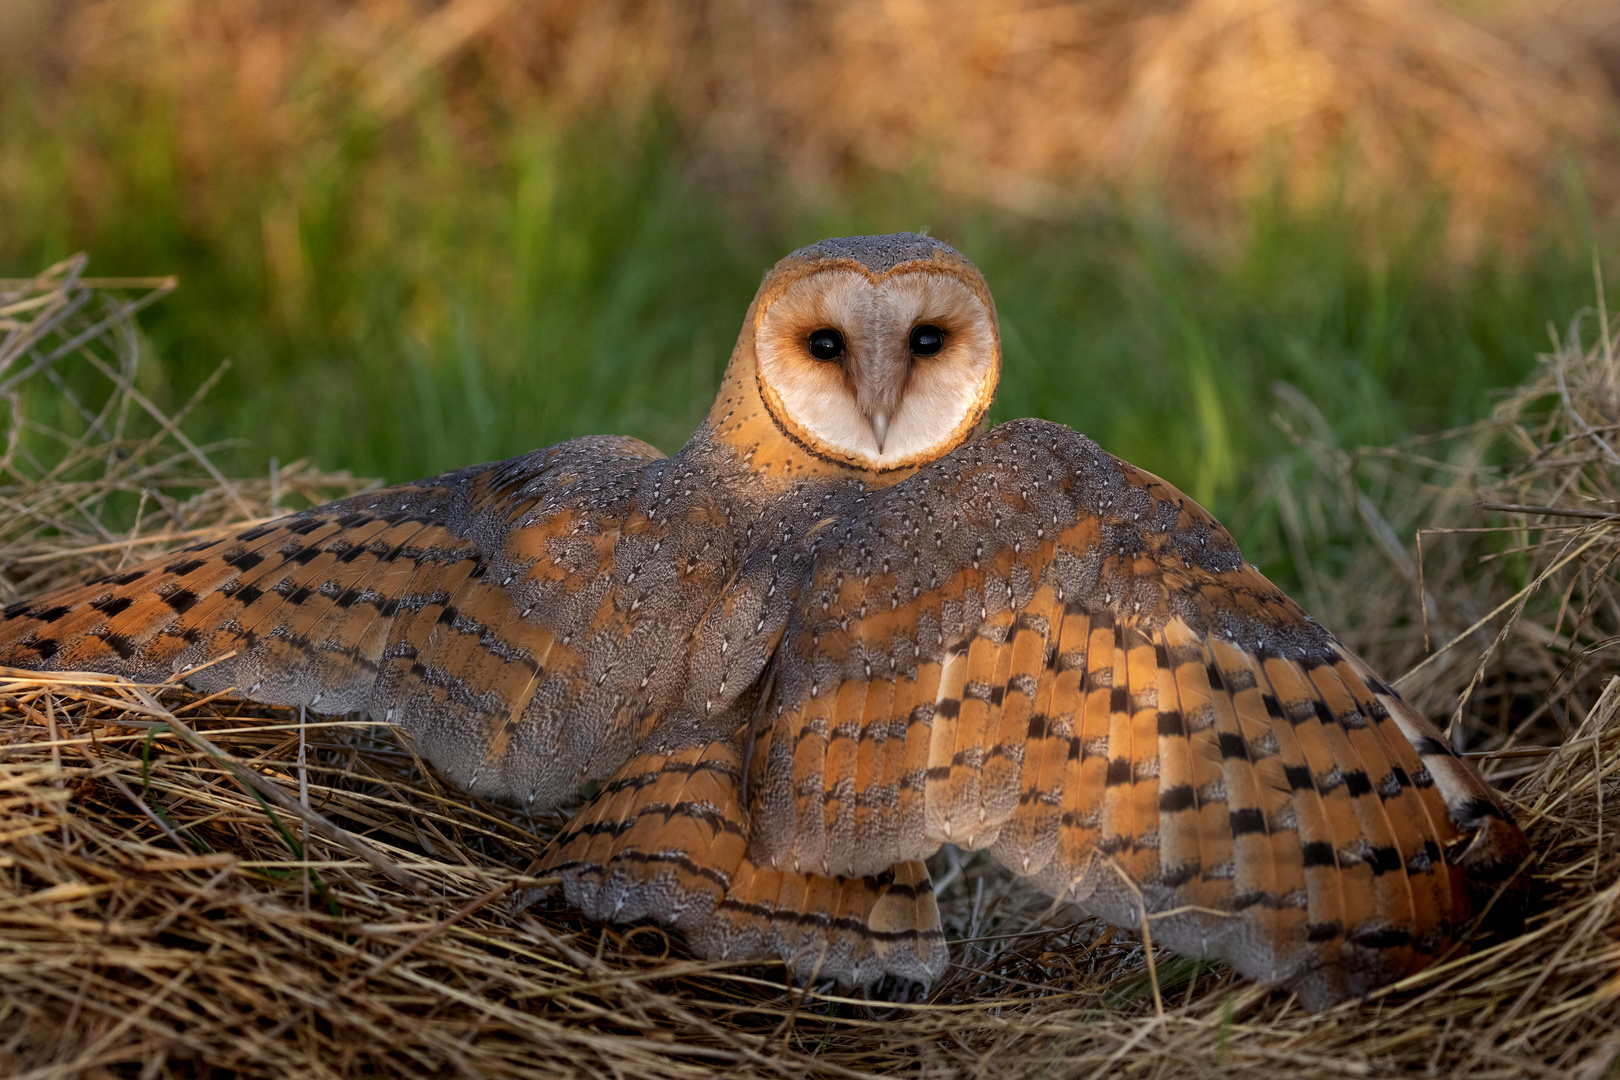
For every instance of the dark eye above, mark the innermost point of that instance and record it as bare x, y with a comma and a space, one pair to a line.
826, 344
926, 340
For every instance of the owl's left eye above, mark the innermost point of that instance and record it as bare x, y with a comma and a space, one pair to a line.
826, 344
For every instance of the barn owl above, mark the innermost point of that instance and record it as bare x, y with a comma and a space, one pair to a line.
846, 624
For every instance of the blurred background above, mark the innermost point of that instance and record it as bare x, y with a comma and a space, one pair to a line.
432, 232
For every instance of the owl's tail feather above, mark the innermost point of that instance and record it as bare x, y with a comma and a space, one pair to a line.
854, 930
666, 839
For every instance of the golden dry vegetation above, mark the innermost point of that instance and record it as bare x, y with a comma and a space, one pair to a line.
1030, 104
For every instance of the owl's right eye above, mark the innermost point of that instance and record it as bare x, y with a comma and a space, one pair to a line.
826, 344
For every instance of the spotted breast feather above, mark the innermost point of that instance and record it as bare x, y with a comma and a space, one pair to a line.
1032, 647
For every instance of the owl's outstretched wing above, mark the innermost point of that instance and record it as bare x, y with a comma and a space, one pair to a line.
1033, 647
480, 610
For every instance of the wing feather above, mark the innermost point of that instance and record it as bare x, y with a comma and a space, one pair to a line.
1029, 835
512, 616
1120, 707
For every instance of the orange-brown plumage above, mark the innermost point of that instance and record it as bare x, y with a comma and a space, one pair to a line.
842, 627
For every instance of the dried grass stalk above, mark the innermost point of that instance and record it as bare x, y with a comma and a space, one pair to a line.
159, 915
94, 475
1486, 571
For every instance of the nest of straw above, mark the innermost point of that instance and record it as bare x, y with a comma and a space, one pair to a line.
195, 885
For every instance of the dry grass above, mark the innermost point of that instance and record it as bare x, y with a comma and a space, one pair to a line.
1488, 575
93, 474
1028, 104
189, 886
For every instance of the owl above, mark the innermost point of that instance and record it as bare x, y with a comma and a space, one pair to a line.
845, 625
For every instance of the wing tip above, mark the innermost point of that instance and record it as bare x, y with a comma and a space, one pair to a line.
1495, 863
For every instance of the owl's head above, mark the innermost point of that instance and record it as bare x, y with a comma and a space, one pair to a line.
878, 352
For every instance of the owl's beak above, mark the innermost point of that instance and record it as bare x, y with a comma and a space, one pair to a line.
880, 374
880, 427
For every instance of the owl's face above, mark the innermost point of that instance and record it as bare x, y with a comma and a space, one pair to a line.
881, 371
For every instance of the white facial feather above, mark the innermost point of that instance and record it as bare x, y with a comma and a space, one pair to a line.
927, 398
